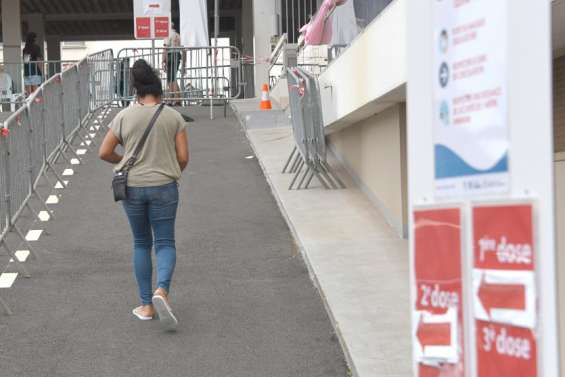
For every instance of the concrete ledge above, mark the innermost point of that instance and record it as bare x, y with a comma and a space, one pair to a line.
356, 260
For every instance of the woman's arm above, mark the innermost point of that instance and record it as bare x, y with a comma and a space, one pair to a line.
181, 142
107, 149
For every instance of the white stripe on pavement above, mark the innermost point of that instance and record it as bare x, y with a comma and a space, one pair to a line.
21, 255
7, 279
52, 199
44, 216
33, 235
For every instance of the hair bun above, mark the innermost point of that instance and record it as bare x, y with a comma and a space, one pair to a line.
145, 80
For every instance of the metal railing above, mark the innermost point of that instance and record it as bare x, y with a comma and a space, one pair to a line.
36, 72
312, 60
189, 75
308, 158
102, 79
293, 14
33, 139
276, 61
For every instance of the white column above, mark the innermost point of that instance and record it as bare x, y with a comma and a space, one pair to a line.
247, 46
12, 40
264, 23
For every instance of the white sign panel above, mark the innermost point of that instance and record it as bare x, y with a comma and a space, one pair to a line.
152, 19
470, 98
153, 7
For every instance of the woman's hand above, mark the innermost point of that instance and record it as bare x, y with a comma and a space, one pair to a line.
108, 147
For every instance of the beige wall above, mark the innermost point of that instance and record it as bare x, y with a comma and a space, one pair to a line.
373, 150
370, 72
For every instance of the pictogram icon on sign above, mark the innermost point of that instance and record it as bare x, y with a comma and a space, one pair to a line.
434, 334
502, 296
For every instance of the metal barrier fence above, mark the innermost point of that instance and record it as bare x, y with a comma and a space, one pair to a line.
36, 72
32, 139
189, 75
102, 79
293, 14
308, 158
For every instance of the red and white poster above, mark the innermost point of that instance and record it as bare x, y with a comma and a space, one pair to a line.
152, 18
162, 27
504, 288
143, 27
437, 317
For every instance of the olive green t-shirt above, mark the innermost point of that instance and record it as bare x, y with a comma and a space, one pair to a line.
157, 163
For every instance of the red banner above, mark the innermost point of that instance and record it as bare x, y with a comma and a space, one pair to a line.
503, 238
505, 351
437, 258
143, 27
162, 27
505, 300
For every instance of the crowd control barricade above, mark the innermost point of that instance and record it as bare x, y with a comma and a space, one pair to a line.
188, 75
72, 97
33, 137
84, 92
54, 122
37, 71
308, 158
71, 105
102, 79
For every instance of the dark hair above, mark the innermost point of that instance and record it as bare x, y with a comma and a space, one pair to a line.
145, 80
30, 41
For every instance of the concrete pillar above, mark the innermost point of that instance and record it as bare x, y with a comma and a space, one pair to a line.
264, 26
247, 46
54, 53
12, 40
36, 23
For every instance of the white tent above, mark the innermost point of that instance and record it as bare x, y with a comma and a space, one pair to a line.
194, 23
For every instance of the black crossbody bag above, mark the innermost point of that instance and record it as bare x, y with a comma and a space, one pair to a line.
120, 178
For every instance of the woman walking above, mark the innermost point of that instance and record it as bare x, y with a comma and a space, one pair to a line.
32, 66
152, 190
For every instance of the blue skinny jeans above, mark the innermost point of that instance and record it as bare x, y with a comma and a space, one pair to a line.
152, 212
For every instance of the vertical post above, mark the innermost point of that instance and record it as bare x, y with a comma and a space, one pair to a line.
214, 56
7, 184
153, 53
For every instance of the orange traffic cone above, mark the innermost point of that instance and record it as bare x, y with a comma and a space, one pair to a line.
265, 99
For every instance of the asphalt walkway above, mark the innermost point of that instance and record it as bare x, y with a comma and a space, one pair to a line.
242, 293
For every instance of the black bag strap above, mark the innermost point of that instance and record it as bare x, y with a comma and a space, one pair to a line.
129, 164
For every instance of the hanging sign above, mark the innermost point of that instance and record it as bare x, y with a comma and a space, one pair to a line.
152, 18
504, 289
470, 125
437, 316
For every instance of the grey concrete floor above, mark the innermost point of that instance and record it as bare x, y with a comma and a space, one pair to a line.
241, 291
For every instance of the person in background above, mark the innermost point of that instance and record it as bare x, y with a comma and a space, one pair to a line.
32, 66
152, 192
172, 59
